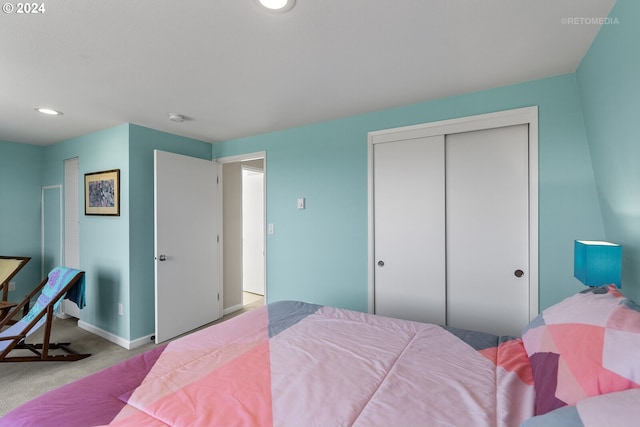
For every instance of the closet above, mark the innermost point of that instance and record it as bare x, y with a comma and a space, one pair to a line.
451, 222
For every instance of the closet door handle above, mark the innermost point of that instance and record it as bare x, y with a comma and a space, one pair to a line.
519, 273
162, 258
380, 263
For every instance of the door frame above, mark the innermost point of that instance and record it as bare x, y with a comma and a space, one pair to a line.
237, 159
526, 115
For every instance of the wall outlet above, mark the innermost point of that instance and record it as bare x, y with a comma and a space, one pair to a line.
120, 309
12, 286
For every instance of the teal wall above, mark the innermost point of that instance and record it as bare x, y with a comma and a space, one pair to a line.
52, 228
320, 254
142, 142
609, 83
104, 240
20, 183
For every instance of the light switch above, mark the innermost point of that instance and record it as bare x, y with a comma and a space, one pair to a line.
270, 229
301, 203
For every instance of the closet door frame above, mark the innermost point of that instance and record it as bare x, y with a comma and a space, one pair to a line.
526, 115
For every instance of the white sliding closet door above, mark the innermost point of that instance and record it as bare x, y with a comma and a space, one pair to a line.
453, 222
487, 205
409, 229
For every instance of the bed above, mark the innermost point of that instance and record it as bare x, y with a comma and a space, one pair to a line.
292, 363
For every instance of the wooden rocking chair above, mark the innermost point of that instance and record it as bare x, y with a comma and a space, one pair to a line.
61, 282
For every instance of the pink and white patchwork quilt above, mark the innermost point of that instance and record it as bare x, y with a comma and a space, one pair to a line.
294, 364
585, 346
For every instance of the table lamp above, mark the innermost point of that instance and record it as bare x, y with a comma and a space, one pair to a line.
597, 263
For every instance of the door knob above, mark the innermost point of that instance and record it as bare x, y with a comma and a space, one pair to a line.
162, 258
380, 263
519, 273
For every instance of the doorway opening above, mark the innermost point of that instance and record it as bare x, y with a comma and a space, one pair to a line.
252, 234
243, 232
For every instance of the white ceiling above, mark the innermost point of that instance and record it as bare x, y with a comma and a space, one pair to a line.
236, 70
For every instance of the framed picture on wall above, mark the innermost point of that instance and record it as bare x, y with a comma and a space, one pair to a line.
102, 193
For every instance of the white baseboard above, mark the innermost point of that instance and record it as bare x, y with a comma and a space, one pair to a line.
129, 345
231, 309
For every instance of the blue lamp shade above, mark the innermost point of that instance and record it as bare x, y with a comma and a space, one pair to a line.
597, 263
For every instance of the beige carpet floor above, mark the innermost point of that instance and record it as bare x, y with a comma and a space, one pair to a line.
23, 381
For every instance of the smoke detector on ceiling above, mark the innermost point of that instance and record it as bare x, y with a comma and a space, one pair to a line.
178, 118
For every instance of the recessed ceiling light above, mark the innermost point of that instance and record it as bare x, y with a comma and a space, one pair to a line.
48, 111
278, 6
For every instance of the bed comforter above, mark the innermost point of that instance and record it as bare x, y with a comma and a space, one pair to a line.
292, 364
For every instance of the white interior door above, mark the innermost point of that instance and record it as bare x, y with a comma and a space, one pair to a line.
253, 230
410, 229
186, 248
487, 204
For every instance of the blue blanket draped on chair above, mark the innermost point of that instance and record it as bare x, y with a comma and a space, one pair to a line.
59, 277
76, 293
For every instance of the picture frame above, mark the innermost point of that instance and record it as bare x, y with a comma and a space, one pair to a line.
102, 193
